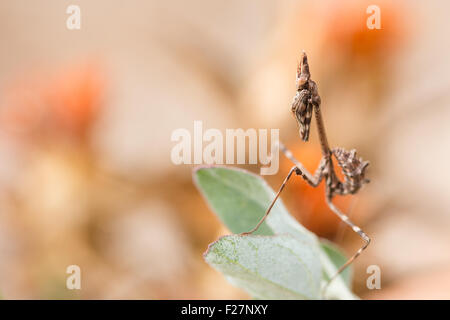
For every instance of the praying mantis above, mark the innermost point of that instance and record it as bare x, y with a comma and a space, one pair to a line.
305, 102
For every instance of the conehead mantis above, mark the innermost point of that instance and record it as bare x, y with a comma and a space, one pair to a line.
306, 102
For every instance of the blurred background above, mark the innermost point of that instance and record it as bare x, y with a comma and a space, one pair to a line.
86, 118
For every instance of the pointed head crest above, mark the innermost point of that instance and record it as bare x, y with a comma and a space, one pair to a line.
303, 74
302, 104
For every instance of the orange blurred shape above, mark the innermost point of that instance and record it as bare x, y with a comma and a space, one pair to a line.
308, 203
66, 102
346, 28
75, 98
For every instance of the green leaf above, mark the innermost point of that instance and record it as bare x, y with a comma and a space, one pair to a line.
337, 289
240, 199
338, 259
268, 267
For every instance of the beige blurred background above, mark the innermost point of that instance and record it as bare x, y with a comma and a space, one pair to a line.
86, 118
